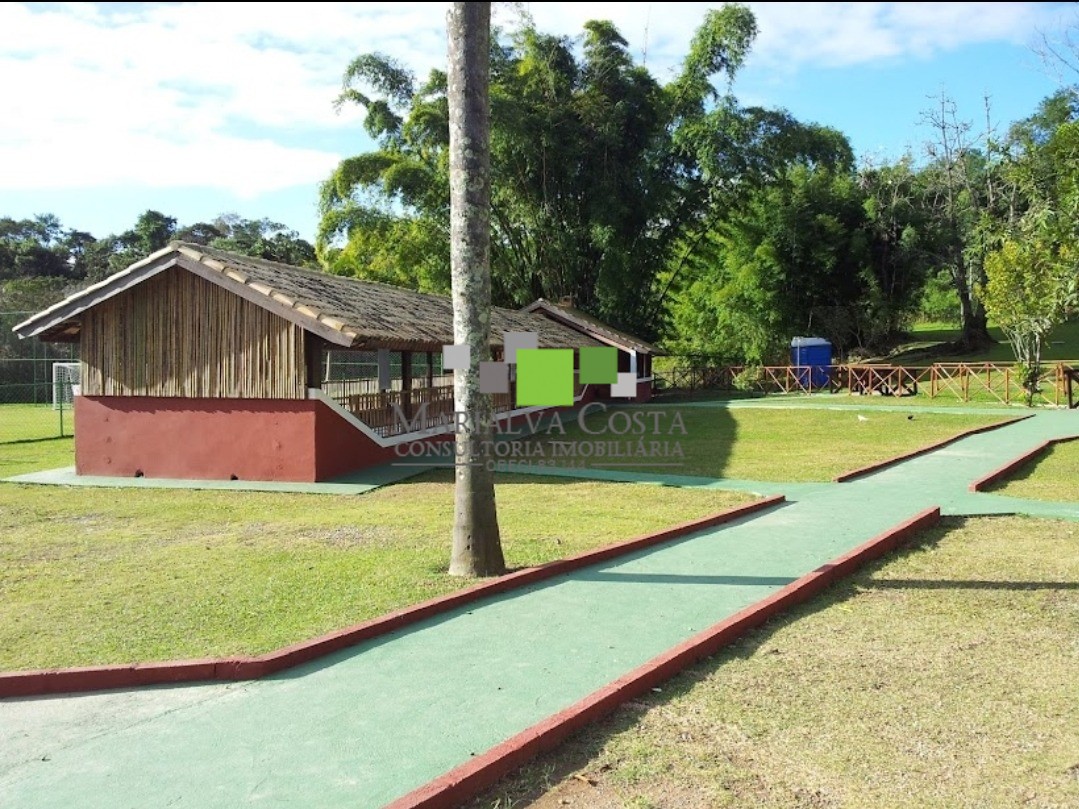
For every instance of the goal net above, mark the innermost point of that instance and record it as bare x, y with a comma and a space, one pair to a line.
66, 378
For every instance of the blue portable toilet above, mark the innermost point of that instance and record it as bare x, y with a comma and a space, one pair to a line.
812, 357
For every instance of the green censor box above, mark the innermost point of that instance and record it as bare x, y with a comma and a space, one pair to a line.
544, 377
599, 365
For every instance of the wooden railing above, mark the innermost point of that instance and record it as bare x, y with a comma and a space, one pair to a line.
1071, 383
394, 412
337, 387
1058, 383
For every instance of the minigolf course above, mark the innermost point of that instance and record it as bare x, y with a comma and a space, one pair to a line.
427, 713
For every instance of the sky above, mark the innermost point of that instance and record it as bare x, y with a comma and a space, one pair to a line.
197, 109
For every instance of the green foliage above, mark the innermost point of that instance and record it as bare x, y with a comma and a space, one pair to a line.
30, 294
153, 230
898, 233
598, 169
262, 238
748, 378
37, 247
1029, 285
1033, 266
40, 260
790, 260
938, 302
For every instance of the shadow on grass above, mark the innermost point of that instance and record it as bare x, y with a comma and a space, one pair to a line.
21, 441
672, 578
1021, 473
658, 438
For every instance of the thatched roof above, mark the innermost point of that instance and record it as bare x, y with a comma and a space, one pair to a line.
345, 311
586, 324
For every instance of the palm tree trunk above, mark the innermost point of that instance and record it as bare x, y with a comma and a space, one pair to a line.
477, 547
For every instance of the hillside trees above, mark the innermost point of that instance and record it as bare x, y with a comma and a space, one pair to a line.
41, 260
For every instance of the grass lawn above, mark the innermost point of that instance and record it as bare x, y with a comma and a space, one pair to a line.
30, 455
944, 677
920, 401
1054, 476
20, 422
97, 576
783, 445
1063, 345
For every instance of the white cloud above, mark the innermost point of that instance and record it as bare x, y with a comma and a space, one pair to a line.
226, 95
846, 34
206, 94
793, 35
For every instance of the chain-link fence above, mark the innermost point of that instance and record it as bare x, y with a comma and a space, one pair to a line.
36, 385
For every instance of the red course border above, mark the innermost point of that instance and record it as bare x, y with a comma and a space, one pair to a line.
469, 779
876, 467
97, 678
983, 483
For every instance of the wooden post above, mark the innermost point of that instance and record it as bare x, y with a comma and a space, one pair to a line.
406, 383
430, 369
384, 369
313, 360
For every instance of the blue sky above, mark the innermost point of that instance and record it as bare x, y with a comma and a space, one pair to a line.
197, 109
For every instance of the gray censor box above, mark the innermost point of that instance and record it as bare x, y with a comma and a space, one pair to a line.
494, 377
512, 340
456, 357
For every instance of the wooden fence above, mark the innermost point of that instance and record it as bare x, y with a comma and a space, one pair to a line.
1071, 381
1058, 383
393, 412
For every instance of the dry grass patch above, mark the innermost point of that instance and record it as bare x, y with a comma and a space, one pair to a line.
1054, 476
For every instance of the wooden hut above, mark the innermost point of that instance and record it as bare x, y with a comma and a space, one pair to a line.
202, 364
634, 354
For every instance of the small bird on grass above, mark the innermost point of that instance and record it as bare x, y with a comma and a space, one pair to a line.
862, 418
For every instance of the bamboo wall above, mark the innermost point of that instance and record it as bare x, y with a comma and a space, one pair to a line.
179, 335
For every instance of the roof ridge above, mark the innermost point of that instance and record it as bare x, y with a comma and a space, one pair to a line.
323, 274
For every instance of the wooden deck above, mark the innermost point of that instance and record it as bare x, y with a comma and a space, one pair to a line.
403, 408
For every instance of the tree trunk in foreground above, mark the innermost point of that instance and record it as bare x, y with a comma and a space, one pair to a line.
477, 547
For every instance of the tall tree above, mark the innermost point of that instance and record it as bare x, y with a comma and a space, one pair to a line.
960, 197
899, 251
1032, 277
477, 547
791, 259
1028, 288
599, 169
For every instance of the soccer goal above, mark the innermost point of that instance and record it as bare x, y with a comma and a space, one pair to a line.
66, 378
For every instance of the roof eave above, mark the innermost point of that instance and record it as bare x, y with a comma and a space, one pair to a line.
75, 305
567, 319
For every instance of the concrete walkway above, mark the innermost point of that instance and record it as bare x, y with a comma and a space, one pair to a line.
359, 482
368, 725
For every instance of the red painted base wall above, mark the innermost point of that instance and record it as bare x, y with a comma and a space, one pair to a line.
216, 439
